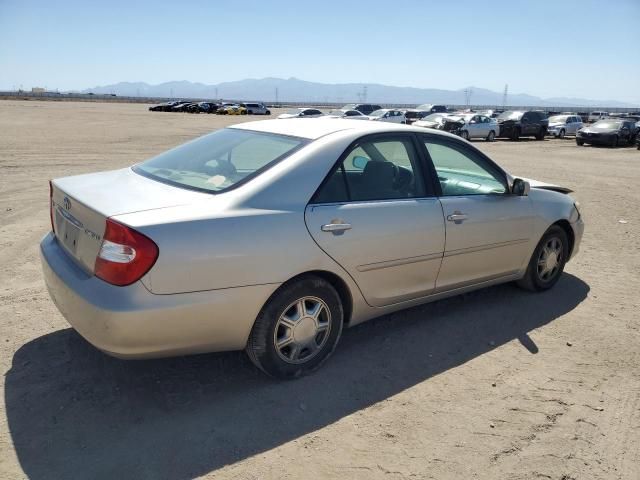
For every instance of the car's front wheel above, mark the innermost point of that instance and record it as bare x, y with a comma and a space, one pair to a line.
464, 134
579, 142
547, 262
298, 328
492, 136
561, 134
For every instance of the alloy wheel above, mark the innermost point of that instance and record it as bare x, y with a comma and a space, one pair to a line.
302, 330
550, 259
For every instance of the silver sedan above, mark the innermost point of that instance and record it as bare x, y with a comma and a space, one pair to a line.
272, 236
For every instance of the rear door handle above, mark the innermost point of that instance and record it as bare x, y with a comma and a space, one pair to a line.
457, 217
336, 227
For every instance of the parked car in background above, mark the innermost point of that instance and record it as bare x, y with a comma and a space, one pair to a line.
597, 115
611, 132
365, 108
163, 107
434, 120
350, 114
138, 281
256, 108
427, 107
181, 106
301, 113
479, 126
390, 115
202, 107
516, 124
231, 109
412, 115
561, 125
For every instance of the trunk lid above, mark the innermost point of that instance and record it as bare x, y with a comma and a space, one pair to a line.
81, 204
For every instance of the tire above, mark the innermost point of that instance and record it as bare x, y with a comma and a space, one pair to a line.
268, 112
579, 142
243, 112
491, 137
464, 134
540, 135
561, 133
249, 112
544, 270
614, 142
283, 317
515, 134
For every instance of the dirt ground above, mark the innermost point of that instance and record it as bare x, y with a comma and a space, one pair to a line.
496, 384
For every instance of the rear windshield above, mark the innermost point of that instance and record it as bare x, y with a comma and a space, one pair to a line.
220, 160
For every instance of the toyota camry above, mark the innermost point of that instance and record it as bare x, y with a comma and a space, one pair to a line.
273, 236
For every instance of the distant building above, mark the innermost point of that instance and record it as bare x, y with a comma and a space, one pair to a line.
38, 90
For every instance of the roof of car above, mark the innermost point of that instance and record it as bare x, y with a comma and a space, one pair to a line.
313, 128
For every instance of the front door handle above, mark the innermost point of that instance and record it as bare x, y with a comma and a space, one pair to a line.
336, 227
457, 217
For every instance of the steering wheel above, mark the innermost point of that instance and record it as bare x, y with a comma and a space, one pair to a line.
222, 167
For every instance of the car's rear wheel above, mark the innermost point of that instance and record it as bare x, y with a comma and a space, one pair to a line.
491, 137
515, 134
561, 133
547, 262
297, 329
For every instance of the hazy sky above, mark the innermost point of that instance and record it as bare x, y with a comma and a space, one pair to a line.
577, 48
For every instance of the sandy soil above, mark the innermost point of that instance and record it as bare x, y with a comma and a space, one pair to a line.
499, 383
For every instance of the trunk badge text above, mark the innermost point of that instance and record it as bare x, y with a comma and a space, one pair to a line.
67, 203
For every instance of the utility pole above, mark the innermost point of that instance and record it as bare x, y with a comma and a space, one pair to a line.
276, 96
504, 95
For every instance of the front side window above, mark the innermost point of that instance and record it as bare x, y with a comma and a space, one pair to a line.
461, 172
376, 169
220, 160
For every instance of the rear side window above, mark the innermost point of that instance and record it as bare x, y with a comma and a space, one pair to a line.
220, 160
377, 169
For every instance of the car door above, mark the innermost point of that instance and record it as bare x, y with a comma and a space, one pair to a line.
377, 218
488, 230
525, 124
471, 126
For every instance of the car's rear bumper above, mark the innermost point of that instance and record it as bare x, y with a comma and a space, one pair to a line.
131, 322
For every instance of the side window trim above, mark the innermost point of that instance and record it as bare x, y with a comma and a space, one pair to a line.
485, 162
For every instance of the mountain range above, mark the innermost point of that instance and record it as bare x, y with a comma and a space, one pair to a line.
295, 90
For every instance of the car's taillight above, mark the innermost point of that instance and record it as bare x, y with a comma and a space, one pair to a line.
53, 227
125, 255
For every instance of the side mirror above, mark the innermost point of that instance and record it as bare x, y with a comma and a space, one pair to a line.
520, 187
360, 162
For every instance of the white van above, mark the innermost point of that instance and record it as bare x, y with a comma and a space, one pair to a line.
595, 116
